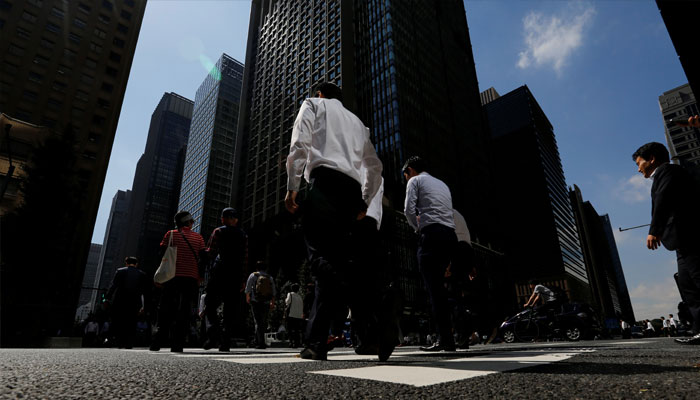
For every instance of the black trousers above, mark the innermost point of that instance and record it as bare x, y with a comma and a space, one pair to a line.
435, 247
219, 292
175, 310
261, 310
689, 282
124, 317
328, 213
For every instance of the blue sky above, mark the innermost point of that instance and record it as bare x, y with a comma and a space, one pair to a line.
596, 69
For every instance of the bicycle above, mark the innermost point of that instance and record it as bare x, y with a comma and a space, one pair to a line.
527, 329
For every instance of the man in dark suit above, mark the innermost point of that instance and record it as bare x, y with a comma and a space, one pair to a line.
129, 293
675, 221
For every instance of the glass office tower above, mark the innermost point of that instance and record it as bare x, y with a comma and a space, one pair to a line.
413, 84
207, 181
532, 196
156, 187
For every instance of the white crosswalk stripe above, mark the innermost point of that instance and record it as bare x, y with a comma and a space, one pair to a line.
416, 373
432, 373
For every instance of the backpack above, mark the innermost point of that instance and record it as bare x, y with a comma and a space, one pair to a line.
263, 287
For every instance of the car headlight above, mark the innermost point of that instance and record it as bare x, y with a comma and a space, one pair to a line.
582, 315
503, 324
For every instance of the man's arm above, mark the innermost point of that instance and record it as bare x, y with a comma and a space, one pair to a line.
213, 245
662, 200
115, 282
298, 153
372, 168
409, 208
533, 299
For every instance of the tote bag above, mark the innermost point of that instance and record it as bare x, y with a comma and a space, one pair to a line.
166, 270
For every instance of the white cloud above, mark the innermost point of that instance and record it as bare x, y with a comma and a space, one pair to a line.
633, 190
652, 300
550, 39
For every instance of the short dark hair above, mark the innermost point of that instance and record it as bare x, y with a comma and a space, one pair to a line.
229, 212
261, 266
533, 282
295, 287
131, 260
182, 218
330, 91
415, 162
652, 149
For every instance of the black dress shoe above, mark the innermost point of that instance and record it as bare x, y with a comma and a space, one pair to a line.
312, 354
692, 340
438, 346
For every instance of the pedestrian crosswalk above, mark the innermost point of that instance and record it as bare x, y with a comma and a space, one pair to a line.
408, 367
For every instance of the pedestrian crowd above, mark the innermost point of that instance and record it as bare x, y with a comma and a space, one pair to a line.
341, 214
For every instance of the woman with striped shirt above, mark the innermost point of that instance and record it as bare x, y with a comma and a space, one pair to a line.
180, 293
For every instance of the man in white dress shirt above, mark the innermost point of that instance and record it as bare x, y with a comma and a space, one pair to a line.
428, 209
331, 149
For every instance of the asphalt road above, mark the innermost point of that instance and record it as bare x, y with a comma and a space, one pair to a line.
623, 369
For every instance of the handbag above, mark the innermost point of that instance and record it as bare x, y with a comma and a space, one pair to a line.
166, 270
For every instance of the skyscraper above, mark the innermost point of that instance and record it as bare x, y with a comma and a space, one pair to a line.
156, 188
683, 141
207, 183
532, 196
680, 21
413, 84
111, 254
65, 66
84, 305
607, 280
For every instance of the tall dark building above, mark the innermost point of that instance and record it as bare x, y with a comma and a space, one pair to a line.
65, 66
623, 294
683, 141
607, 280
681, 23
536, 220
84, 305
111, 255
413, 84
208, 177
156, 189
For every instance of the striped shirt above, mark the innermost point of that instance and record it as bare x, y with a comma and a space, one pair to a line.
186, 261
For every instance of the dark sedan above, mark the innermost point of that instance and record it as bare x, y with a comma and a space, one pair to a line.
574, 321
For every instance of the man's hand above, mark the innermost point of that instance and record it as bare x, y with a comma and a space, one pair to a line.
361, 215
694, 121
653, 242
290, 201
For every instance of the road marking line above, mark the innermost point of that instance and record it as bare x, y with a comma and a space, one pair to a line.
443, 371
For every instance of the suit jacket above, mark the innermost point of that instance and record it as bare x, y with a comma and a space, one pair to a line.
127, 287
675, 208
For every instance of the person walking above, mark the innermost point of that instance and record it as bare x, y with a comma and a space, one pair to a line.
673, 324
129, 293
228, 247
294, 312
179, 294
675, 217
331, 149
428, 209
260, 295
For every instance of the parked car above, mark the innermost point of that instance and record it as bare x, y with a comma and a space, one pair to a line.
637, 332
575, 321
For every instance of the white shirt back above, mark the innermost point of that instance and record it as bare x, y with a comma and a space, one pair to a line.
430, 199
326, 134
